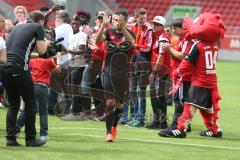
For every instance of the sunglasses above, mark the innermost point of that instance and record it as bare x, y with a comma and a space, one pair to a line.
157, 24
20, 12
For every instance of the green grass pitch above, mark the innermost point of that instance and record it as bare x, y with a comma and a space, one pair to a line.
84, 140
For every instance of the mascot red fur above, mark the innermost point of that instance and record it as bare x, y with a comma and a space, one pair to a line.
208, 28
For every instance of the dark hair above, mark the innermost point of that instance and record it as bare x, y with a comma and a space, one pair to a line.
140, 11
64, 15
76, 17
122, 12
36, 16
87, 15
178, 23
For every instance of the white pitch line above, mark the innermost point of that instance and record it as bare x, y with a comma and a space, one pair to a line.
140, 140
163, 142
103, 129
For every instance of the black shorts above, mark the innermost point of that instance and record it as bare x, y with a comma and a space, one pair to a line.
199, 97
115, 86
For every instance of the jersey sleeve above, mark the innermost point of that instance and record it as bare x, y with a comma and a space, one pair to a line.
107, 35
192, 56
147, 42
40, 33
186, 47
132, 34
163, 39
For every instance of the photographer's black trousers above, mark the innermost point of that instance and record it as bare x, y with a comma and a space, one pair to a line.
18, 83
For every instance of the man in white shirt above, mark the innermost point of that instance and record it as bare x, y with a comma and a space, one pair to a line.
77, 48
63, 30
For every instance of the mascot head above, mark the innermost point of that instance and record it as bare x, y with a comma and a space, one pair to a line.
208, 27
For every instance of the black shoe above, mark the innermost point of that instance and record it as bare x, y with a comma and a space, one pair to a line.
172, 127
153, 125
172, 133
189, 129
35, 143
209, 133
12, 143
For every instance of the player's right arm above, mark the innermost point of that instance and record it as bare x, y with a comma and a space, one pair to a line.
173, 52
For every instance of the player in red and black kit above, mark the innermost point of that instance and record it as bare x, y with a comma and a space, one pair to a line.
119, 41
160, 61
178, 54
203, 93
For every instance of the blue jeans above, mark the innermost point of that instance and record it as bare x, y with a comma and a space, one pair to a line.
138, 85
41, 97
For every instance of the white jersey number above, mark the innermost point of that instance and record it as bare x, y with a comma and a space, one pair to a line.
210, 59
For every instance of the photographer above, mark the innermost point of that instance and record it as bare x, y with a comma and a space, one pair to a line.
17, 79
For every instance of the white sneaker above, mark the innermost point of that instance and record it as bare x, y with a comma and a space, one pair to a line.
44, 138
69, 117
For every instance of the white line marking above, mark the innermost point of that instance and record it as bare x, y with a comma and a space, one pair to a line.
140, 140
163, 142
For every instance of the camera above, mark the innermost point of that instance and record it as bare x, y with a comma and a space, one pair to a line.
53, 49
59, 7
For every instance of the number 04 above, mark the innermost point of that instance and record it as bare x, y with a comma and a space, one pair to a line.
210, 59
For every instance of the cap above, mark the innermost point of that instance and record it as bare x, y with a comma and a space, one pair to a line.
84, 13
160, 20
100, 14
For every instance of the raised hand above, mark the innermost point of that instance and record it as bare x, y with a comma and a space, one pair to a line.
106, 17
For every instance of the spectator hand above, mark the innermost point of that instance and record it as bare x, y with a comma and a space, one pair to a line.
166, 47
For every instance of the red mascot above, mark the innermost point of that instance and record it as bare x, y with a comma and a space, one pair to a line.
207, 29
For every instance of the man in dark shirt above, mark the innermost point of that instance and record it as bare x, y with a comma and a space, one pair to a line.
115, 83
17, 79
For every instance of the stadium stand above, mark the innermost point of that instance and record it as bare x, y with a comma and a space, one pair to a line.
30, 4
228, 8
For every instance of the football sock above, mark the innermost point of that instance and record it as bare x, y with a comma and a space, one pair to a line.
117, 116
109, 119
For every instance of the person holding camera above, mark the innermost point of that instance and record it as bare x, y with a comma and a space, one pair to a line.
17, 80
